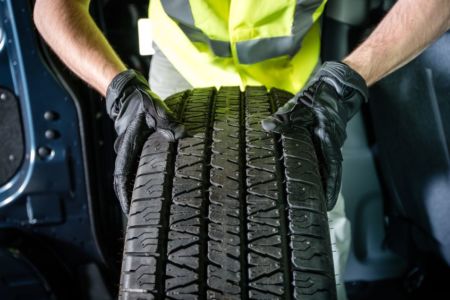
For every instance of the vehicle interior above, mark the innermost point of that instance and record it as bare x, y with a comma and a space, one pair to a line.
61, 227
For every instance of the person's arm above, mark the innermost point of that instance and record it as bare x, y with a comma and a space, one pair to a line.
336, 91
136, 112
409, 27
68, 28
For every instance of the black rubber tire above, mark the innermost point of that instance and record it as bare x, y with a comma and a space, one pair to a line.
231, 212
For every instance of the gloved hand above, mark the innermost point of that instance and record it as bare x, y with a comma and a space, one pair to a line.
136, 113
330, 99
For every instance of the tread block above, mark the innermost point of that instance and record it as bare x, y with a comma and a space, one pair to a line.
146, 212
316, 286
261, 265
142, 240
136, 296
149, 186
178, 276
138, 273
305, 222
223, 280
183, 257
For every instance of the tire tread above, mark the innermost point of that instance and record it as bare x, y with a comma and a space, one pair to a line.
230, 212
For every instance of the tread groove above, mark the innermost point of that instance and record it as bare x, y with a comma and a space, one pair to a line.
242, 191
206, 176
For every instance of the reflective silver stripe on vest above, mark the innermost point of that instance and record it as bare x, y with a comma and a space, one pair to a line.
251, 51
180, 11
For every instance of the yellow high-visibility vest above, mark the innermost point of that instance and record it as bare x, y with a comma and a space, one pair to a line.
275, 43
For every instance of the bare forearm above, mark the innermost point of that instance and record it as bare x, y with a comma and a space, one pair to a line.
407, 29
71, 32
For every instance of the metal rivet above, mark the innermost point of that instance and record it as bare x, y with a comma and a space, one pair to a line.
51, 115
11, 157
44, 152
3, 96
51, 134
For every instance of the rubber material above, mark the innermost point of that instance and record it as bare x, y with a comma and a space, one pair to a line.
12, 145
230, 213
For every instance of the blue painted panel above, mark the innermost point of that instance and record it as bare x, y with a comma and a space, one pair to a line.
61, 174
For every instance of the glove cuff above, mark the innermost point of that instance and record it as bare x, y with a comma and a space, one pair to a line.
340, 76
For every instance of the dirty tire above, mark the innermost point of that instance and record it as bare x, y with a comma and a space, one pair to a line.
231, 212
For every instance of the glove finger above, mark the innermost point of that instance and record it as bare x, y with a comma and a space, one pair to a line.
330, 154
128, 153
271, 124
121, 192
161, 117
177, 131
333, 184
275, 122
170, 129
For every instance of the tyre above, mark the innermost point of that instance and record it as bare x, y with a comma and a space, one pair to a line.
231, 212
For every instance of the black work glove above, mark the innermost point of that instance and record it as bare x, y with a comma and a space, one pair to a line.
330, 99
136, 113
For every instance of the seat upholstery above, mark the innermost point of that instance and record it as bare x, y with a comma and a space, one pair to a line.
411, 118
